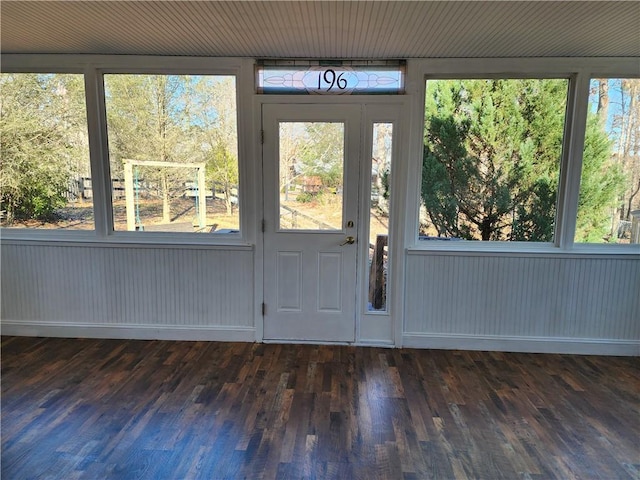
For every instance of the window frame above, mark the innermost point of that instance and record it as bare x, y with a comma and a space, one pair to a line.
569, 79
579, 72
93, 68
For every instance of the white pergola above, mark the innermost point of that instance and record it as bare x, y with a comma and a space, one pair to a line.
130, 196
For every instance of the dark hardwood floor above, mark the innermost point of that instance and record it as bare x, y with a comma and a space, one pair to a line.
102, 409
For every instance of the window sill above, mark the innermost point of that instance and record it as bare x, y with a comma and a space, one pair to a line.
124, 239
521, 249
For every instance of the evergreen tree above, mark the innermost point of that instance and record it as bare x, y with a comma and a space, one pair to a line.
601, 184
615, 103
492, 158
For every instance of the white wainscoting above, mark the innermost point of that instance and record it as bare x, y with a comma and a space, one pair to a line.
127, 292
526, 303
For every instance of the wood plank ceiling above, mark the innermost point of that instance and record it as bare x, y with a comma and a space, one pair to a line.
333, 29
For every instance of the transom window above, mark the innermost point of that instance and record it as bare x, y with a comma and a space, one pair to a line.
330, 77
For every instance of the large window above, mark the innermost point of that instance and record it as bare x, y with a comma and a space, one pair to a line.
173, 152
609, 202
492, 155
45, 178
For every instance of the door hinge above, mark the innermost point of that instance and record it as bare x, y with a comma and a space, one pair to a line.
264, 309
264, 225
262, 137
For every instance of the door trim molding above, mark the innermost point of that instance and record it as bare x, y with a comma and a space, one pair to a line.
399, 202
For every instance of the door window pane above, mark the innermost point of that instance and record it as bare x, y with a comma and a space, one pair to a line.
45, 177
311, 175
379, 216
173, 152
609, 202
491, 163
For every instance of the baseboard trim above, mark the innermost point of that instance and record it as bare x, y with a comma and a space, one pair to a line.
573, 346
128, 331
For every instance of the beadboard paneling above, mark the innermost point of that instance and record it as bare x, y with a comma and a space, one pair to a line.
327, 29
107, 286
517, 297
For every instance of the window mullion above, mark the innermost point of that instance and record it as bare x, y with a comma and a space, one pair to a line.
569, 186
99, 152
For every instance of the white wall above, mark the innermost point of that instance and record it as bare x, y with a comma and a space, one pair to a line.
538, 303
118, 286
127, 291
487, 301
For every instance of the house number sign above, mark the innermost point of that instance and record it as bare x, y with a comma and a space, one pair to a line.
330, 79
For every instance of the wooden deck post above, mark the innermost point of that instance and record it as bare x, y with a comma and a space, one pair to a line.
202, 197
377, 286
129, 195
635, 226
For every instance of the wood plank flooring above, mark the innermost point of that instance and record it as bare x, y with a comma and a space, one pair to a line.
123, 409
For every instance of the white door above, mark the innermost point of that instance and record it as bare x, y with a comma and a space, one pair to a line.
311, 158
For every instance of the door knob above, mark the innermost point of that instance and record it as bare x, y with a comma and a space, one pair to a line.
348, 241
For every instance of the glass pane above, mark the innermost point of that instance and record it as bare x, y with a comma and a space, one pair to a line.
311, 175
379, 216
609, 202
491, 163
45, 176
173, 151
330, 80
